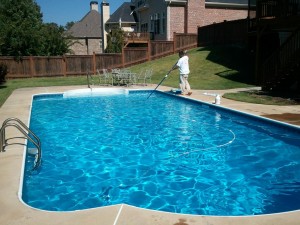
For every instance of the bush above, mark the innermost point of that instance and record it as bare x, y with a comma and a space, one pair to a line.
3, 72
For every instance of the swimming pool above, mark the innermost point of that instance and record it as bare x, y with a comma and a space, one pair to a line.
163, 153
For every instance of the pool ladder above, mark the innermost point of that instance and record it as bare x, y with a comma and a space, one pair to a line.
29, 135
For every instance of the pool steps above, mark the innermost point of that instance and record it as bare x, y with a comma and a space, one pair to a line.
28, 134
90, 92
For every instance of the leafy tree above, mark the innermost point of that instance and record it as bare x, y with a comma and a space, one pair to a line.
69, 25
21, 22
3, 72
115, 41
23, 33
55, 41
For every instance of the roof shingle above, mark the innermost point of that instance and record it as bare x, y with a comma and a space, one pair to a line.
89, 26
125, 12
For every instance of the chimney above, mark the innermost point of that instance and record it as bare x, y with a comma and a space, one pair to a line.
94, 5
105, 12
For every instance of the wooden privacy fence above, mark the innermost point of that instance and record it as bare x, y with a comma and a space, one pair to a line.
227, 32
75, 65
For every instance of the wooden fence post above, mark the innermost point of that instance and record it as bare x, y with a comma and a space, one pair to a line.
94, 63
174, 42
64, 65
149, 50
123, 57
32, 68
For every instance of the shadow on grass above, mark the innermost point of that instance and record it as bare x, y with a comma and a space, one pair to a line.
264, 97
234, 57
293, 97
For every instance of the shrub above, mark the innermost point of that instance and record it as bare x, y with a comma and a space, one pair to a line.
3, 72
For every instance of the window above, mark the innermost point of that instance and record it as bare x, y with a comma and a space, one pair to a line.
163, 23
140, 3
151, 24
156, 23
144, 27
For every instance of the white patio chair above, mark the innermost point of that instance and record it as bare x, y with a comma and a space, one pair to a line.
100, 77
140, 77
116, 76
108, 77
125, 77
148, 76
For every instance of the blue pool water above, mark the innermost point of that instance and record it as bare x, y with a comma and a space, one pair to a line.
164, 153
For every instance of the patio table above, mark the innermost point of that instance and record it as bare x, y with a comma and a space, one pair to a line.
123, 77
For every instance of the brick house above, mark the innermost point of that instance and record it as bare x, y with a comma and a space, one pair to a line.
123, 17
160, 18
164, 17
89, 37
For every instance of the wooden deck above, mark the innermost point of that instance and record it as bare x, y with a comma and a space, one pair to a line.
136, 37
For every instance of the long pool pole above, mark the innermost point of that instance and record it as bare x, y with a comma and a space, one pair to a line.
163, 79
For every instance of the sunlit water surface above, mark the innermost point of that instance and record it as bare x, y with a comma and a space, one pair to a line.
160, 153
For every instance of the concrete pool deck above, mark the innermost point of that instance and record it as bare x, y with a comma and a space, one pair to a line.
13, 211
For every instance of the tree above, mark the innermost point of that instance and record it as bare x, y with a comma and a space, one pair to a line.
69, 25
23, 33
55, 42
21, 22
115, 41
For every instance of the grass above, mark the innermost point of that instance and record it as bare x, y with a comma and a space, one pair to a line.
9, 86
259, 97
213, 68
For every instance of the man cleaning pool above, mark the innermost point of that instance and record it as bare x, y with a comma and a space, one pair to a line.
184, 70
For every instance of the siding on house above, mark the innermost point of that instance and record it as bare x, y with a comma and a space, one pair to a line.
124, 16
201, 15
176, 20
185, 16
198, 14
161, 18
86, 46
153, 12
241, 2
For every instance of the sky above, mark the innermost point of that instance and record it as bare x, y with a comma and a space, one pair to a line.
63, 11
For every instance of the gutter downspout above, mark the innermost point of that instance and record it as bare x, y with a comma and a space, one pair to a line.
168, 23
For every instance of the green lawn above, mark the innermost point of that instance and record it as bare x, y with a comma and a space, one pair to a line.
211, 68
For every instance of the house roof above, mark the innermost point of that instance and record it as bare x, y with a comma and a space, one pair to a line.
89, 26
125, 12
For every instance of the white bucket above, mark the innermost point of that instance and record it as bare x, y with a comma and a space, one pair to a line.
218, 100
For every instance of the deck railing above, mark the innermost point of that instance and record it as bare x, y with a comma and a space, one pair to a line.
277, 8
136, 37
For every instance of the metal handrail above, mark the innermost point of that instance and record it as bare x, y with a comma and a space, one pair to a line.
22, 129
90, 80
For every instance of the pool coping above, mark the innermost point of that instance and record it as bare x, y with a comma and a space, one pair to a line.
13, 211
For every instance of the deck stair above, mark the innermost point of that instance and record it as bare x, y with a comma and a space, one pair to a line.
281, 71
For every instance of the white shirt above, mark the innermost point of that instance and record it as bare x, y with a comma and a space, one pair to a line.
183, 65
